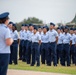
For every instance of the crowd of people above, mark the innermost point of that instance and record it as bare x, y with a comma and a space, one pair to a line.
57, 45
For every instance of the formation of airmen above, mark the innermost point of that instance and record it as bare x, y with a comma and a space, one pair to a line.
53, 45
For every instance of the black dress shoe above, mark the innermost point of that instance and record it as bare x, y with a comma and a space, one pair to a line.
68, 65
20, 59
48, 64
28, 63
62, 65
10, 63
32, 65
15, 63
43, 63
24, 60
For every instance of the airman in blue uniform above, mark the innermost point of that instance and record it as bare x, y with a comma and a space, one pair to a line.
10, 25
59, 45
21, 44
53, 38
72, 46
30, 32
36, 40
75, 45
25, 50
14, 46
75, 53
66, 47
44, 45
40, 33
5, 42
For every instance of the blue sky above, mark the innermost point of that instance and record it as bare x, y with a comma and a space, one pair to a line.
47, 10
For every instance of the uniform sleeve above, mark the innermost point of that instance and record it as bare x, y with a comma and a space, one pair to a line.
7, 34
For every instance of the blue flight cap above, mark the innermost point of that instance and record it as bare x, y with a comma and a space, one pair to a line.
39, 26
52, 24
46, 27
62, 27
4, 15
14, 24
71, 28
59, 28
11, 22
66, 27
30, 24
35, 27
23, 24
26, 25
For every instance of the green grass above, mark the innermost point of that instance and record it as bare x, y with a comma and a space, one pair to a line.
43, 68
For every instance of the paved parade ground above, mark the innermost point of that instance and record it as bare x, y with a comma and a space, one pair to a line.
22, 72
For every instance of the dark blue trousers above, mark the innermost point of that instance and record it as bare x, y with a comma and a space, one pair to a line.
72, 54
75, 55
21, 49
44, 52
14, 52
59, 53
35, 54
29, 52
24, 58
40, 49
11, 50
52, 54
66, 55
4, 61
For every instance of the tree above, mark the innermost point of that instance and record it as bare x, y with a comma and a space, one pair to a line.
33, 20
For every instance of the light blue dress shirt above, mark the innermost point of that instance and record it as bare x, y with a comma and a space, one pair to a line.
52, 35
60, 38
66, 38
73, 37
4, 34
25, 35
21, 36
36, 37
29, 35
15, 35
45, 38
